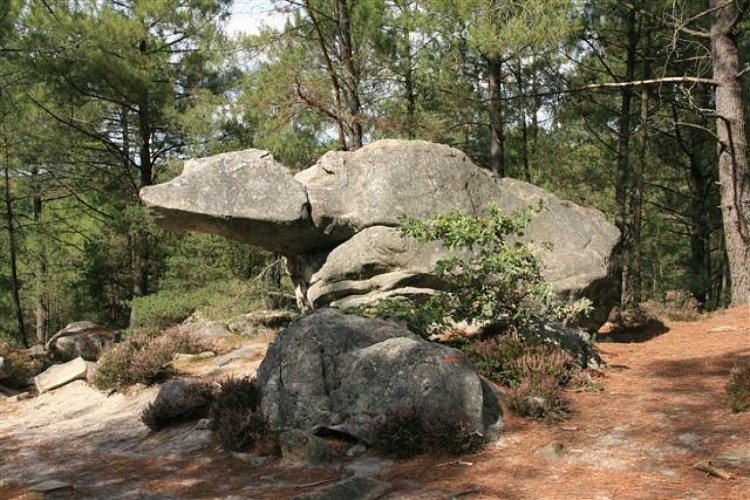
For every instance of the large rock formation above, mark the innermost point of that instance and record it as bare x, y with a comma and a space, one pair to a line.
335, 222
332, 372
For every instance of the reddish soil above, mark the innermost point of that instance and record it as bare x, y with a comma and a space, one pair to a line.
663, 408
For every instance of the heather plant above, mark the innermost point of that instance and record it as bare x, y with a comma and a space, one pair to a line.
236, 419
403, 433
143, 358
738, 387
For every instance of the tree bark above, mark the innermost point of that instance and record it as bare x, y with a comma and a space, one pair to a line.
734, 174
351, 75
623, 162
495, 108
13, 244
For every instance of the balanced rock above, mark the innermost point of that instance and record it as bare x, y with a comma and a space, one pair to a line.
332, 372
82, 338
335, 221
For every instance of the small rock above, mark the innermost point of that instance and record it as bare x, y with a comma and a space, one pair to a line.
250, 458
58, 375
719, 329
239, 354
300, 447
356, 450
50, 489
353, 487
552, 451
20, 397
194, 357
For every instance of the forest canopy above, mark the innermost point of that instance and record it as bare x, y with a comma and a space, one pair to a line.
634, 107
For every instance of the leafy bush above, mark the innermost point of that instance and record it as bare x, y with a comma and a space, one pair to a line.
193, 404
493, 279
404, 433
143, 358
738, 387
495, 358
236, 418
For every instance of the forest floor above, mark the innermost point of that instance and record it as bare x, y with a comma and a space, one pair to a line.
662, 409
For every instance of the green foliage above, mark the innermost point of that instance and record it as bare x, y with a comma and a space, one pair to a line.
236, 418
493, 279
403, 433
194, 404
143, 358
738, 387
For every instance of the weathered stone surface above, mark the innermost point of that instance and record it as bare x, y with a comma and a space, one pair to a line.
246, 196
302, 447
82, 338
334, 221
179, 400
50, 489
361, 488
337, 372
58, 375
252, 323
574, 341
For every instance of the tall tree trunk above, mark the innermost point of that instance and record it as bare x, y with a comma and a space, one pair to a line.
734, 172
41, 306
634, 276
13, 246
623, 161
351, 75
495, 107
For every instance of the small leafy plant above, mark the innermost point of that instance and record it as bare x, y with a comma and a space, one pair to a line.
493, 277
738, 387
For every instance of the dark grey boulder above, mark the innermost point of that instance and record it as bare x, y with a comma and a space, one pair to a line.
332, 372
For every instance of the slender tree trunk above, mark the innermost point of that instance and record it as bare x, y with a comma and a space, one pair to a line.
495, 107
41, 307
634, 282
13, 246
734, 172
350, 71
623, 162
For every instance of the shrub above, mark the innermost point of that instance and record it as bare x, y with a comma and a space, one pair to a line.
494, 358
494, 279
236, 418
404, 433
738, 387
678, 305
192, 403
143, 358
538, 398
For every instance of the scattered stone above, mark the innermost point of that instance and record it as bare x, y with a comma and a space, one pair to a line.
356, 450
342, 373
251, 458
37, 351
552, 451
179, 400
301, 447
50, 489
240, 354
81, 339
720, 329
20, 397
361, 488
194, 357
59, 375
204, 329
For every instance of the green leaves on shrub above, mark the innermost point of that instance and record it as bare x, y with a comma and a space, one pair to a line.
404, 433
494, 277
143, 358
738, 387
236, 418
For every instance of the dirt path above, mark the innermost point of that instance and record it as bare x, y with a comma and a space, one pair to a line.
663, 408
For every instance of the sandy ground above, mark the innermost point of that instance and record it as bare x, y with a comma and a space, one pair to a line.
662, 409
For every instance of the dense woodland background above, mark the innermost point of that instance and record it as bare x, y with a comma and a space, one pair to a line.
634, 107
